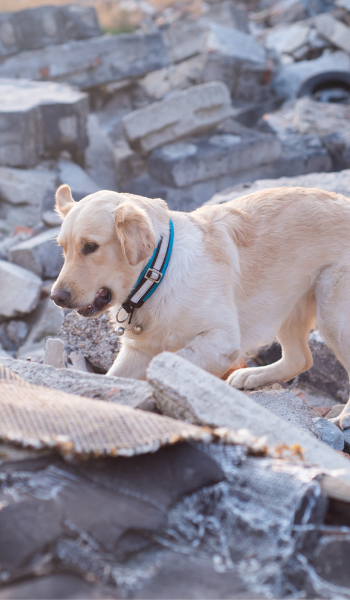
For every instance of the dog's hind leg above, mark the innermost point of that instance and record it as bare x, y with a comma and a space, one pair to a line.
333, 320
296, 354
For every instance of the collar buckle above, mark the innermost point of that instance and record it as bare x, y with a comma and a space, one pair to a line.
150, 275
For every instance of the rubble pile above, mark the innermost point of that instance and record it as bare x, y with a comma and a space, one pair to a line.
200, 102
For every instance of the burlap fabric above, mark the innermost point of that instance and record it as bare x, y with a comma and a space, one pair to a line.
38, 417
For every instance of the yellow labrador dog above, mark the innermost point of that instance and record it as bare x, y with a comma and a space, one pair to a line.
214, 284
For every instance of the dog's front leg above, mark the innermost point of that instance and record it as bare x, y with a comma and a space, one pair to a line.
214, 350
130, 363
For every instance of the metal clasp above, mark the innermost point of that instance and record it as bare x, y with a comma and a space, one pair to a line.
123, 320
159, 274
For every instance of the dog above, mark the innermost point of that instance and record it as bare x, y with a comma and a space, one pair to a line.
267, 265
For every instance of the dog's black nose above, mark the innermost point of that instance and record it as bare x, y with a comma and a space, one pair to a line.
60, 297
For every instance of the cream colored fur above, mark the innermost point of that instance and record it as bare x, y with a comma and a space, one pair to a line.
267, 265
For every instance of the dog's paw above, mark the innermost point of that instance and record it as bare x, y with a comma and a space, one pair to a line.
246, 379
342, 420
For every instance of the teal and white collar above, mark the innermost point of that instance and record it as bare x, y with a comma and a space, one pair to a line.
151, 276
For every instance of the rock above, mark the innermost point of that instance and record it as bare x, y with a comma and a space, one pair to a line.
45, 25
185, 113
50, 218
136, 394
99, 156
185, 163
93, 62
286, 405
333, 31
330, 434
96, 338
302, 154
184, 38
17, 332
20, 290
40, 119
3, 353
287, 81
327, 374
159, 84
119, 504
183, 391
40, 254
55, 354
330, 122
287, 39
238, 60
45, 321
78, 180
128, 165
332, 182
56, 585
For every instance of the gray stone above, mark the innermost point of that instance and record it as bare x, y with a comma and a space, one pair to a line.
45, 25
96, 338
17, 332
93, 62
185, 37
136, 394
330, 122
78, 180
332, 182
302, 154
55, 354
286, 405
100, 163
50, 218
40, 254
330, 434
45, 321
184, 391
184, 163
40, 119
20, 290
287, 81
192, 111
159, 84
333, 31
288, 38
129, 165
327, 374
238, 60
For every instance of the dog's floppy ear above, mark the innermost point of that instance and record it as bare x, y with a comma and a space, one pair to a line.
135, 232
64, 200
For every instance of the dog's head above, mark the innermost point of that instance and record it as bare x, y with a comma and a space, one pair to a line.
107, 239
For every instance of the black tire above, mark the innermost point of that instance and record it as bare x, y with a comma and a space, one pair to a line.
325, 81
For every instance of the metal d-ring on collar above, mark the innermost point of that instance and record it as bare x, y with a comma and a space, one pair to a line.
148, 281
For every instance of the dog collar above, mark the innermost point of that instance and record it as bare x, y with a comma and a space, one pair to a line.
151, 276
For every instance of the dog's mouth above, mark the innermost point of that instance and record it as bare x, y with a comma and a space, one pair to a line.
102, 299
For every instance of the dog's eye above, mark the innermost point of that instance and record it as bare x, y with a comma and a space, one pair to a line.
89, 248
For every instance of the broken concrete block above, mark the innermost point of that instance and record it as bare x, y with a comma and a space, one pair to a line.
136, 394
45, 25
92, 62
332, 182
96, 338
55, 354
45, 321
192, 111
287, 81
78, 180
184, 391
158, 84
20, 290
334, 31
288, 38
238, 60
329, 433
40, 254
286, 405
330, 121
184, 38
327, 374
17, 332
40, 119
99, 157
185, 163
